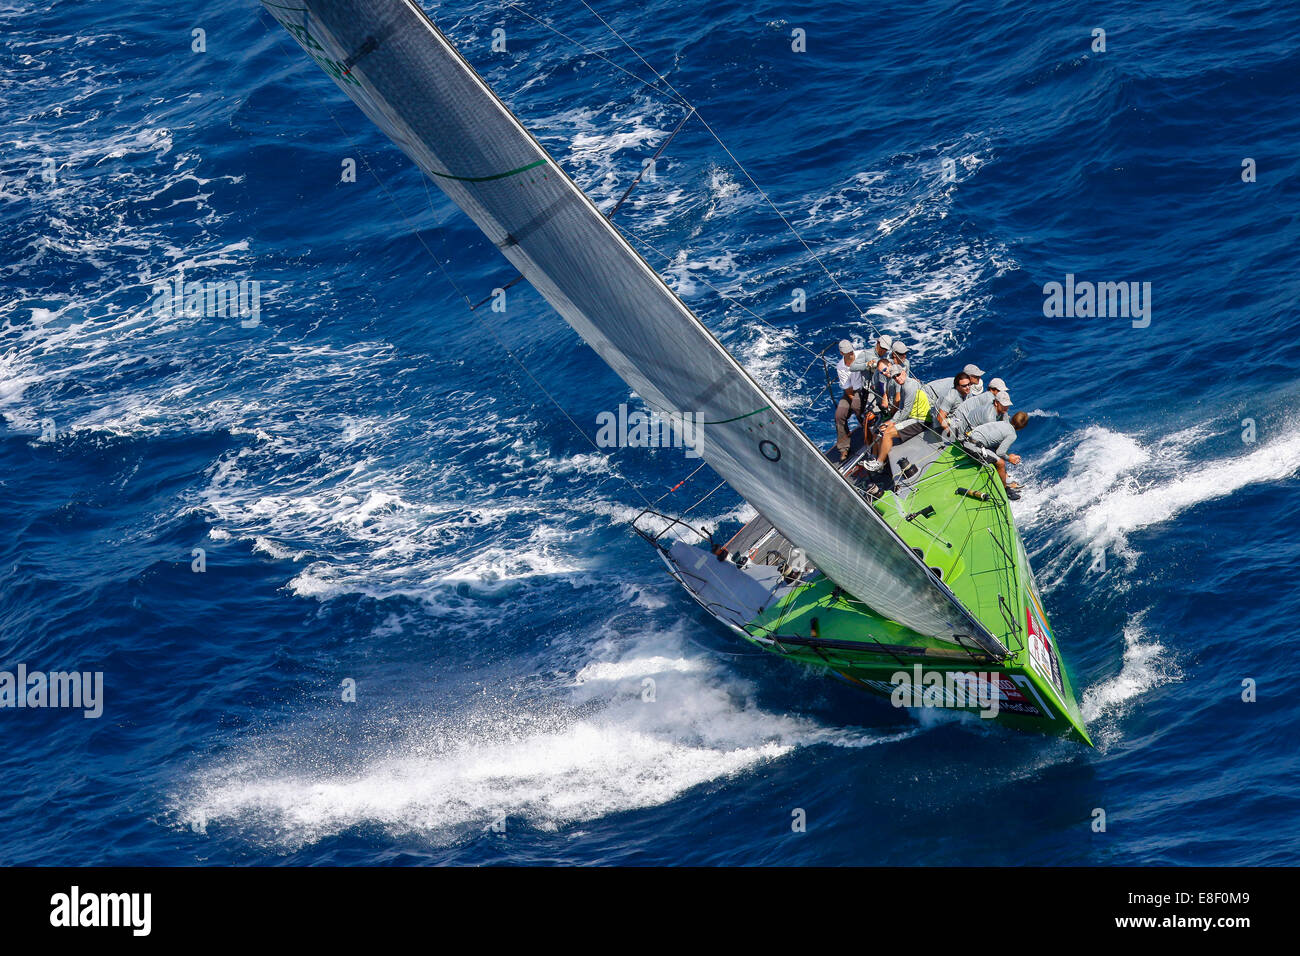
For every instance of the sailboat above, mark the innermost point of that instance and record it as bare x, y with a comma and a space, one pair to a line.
920, 591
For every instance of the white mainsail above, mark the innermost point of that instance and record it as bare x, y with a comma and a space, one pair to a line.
388, 56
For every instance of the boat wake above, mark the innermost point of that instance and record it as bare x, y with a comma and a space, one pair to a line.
1116, 484
639, 724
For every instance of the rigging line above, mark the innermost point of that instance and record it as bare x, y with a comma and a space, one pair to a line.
783, 606
794, 232
659, 152
415, 231
721, 484
739, 165
680, 483
732, 299
663, 79
692, 111
675, 96
425, 180
492, 295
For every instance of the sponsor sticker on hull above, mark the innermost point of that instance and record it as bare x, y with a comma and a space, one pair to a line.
1015, 693
1042, 656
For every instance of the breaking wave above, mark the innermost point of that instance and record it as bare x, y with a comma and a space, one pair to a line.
1146, 665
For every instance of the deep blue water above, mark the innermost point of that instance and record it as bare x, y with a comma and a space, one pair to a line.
383, 497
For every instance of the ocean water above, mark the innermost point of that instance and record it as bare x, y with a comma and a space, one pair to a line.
381, 497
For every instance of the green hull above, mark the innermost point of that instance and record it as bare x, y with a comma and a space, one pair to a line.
970, 542
822, 627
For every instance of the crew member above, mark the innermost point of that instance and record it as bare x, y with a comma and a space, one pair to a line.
876, 373
991, 442
850, 397
899, 355
978, 410
889, 397
945, 395
908, 421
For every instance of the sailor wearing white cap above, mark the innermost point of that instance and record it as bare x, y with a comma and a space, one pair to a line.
897, 356
976, 378
850, 396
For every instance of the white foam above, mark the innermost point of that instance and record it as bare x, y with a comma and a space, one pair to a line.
1117, 484
1147, 664
1139, 505
1099, 458
591, 747
636, 667
766, 357
268, 547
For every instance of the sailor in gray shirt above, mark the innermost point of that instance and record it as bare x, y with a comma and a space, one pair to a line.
874, 379
889, 387
904, 425
979, 410
936, 390
945, 395
991, 443
905, 389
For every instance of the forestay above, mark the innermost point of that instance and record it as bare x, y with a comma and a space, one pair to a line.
408, 78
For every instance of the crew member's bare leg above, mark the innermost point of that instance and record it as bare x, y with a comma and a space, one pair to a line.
887, 437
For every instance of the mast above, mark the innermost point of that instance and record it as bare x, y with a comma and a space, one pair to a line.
404, 74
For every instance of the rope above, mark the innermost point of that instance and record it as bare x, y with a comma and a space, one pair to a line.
739, 165
675, 96
723, 295
653, 159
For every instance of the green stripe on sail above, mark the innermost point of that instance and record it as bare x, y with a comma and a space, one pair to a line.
673, 415
483, 179
738, 417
